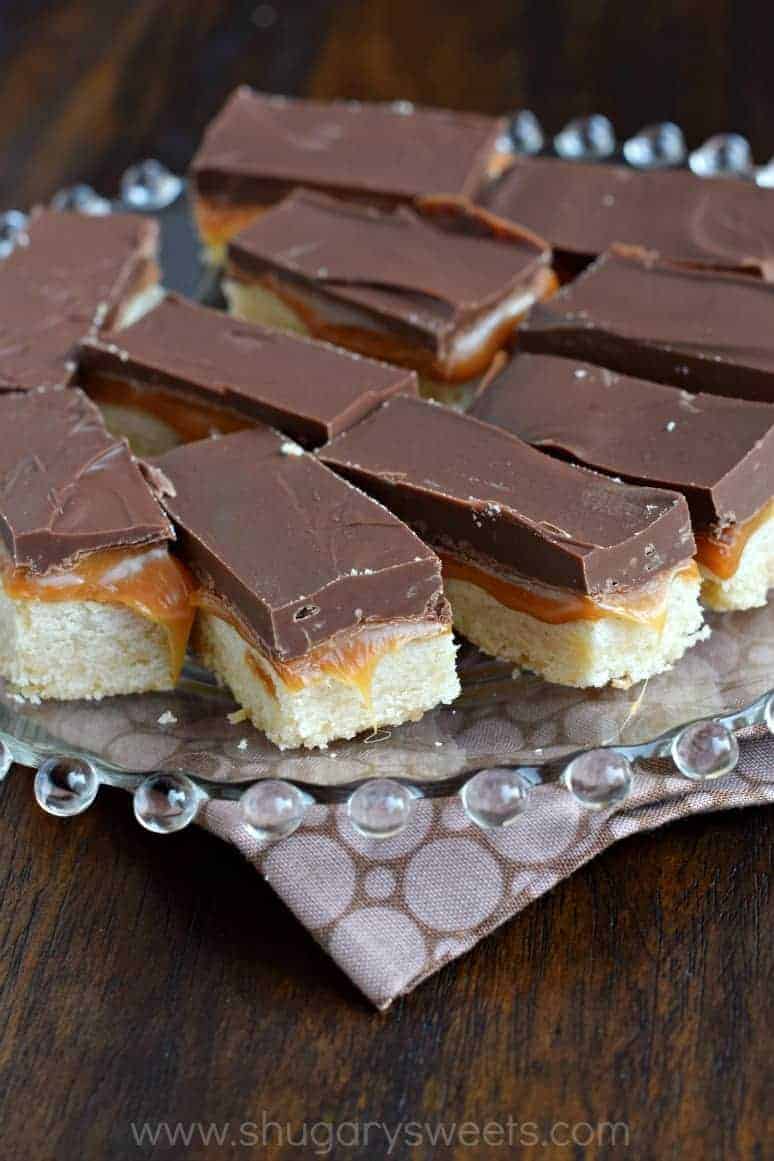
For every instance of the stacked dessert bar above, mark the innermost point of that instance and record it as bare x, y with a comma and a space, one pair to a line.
261, 147
438, 289
593, 468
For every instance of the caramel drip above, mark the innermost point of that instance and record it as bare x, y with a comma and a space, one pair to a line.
388, 347
190, 419
721, 554
350, 658
258, 671
645, 606
353, 664
148, 581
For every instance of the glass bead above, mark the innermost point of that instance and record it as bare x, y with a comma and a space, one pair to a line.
768, 714
380, 808
167, 802
705, 750
65, 786
13, 226
656, 147
149, 185
599, 779
586, 139
495, 798
724, 155
272, 809
81, 199
525, 133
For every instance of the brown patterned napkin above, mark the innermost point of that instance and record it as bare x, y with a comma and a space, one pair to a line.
392, 911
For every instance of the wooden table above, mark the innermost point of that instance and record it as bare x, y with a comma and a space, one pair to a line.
147, 979
87, 89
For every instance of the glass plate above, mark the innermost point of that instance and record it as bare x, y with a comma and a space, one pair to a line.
498, 720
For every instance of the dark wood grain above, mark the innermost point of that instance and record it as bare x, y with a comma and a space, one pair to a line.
86, 89
146, 979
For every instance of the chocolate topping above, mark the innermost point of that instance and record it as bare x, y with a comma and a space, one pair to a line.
310, 390
71, 275
428, 273
584, 209
66, 487
298, 554
718, 452
636, 313
261, 146
482, 494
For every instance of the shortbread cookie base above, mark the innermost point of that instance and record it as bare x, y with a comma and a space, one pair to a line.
406, 683
80, 649
254, 303
147, 434
749, 587
583, 653
214, 254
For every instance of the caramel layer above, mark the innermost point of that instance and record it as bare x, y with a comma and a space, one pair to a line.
645, 606
191, 419
258, 671
148, 581
350, 658
218, 222
722, 554
388, 347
